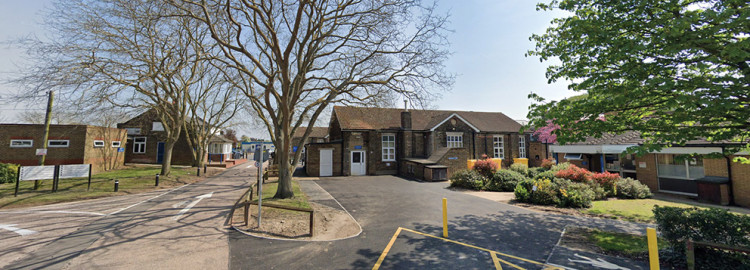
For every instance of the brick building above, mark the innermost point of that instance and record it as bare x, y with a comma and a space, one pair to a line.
67, 144
147, 139
706, 178
425, 144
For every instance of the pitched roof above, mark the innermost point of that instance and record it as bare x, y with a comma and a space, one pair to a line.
317, 132
633, 138
357, 118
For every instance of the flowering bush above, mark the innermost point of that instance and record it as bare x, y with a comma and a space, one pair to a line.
629, 188
485, 167
575, 174
607, 180
576, 195
547, 163
561, 166
520, 168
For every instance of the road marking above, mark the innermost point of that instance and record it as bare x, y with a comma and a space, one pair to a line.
13, 228
135, 204
496, 261
53, 212
387, 248
599, 262
492, 253
187, 208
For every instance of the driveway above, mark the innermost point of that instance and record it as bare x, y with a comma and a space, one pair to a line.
482, 233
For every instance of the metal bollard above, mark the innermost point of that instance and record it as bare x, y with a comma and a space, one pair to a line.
198, 173
117, 185
205, 167
157, 180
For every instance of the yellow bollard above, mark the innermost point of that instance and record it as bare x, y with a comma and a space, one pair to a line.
445, 218
653, 249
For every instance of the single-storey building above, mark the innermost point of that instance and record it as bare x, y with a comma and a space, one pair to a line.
67, 144
708, 178
219, 149
147, 139
424, 144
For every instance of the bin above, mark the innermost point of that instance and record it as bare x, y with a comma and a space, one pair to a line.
714, 189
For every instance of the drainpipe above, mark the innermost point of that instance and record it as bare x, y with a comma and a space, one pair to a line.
729, 174
601, 161
473, 144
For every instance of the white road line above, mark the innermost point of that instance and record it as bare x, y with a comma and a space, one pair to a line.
53, 212
13, 228
187, 208
157, 196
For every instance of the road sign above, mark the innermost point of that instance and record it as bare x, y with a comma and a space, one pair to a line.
41, 152
121, 149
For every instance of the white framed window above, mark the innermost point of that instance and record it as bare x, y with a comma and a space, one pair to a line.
58, 143
388, 147
98, 143
116, 144
133, 131
498, 146
454, 139
669, 166
21, 143
157, 126
522, 146
139, 145
573, 156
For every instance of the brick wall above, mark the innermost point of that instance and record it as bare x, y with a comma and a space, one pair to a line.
649, 174
537, 152
312, 164
741, 183
455, 159
107, 157
715, 167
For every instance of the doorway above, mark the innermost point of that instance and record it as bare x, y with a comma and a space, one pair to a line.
358, 162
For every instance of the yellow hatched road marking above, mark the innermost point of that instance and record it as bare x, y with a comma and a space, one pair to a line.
496, 261
387, 248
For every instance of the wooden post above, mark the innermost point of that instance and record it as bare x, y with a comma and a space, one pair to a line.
47, 119
89, 186
312, 221
247, 214
18, 181
690, 254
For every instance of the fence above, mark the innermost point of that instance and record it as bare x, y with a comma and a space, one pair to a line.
54, 173
249, 201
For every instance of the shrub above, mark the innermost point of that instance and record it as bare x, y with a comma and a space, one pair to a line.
519, 168
533, 172
677, 225
575, 173
8, 173
629, 188
504, 180
561, 166
576, 195
468, 179
599, 192
545, 175
548, 163
522, 194
545, 193
608, 181
486, 167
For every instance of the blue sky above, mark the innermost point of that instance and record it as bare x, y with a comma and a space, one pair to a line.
489, 41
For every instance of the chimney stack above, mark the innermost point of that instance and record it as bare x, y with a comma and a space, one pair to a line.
406, 119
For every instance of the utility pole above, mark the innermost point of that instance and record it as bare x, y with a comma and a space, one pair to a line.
47, 119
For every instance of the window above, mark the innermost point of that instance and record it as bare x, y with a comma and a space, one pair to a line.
388, 146
498, 146
98, 143
522, 146
58, 143
116, 144
157, 126
573, 156
671, 167
133, 131
139, 145
321, 140
454, 139
21, 143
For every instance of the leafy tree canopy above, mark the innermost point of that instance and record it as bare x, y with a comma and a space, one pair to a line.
674, 70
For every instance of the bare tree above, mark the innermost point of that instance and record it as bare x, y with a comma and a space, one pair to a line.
129, 53
297, 57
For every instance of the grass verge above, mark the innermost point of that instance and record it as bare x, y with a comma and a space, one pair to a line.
299, 199
132, 179
622, 242
632, 210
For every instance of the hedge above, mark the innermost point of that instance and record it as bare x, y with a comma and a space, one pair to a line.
8, 173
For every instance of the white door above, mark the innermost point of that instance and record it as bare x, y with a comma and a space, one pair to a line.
359, 166
326, 162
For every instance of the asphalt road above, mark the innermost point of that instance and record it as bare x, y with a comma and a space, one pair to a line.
150, 230
382, 204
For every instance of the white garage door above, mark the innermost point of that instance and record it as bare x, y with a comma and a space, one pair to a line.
326, 162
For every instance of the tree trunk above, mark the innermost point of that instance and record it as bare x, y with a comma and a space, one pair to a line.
284, 189
166, 165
